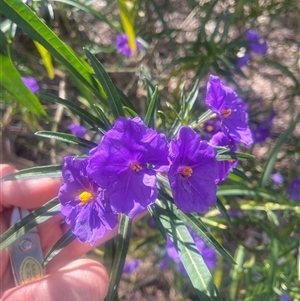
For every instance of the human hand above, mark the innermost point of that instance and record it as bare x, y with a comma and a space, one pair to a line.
68, 278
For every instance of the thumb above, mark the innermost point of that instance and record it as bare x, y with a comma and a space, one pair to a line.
83, 279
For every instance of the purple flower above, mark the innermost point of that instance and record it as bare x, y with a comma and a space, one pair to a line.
294, 189
221, 139
285, 297
193, 172
207, 253
244, 60
277, 179
77, 130
31, 84
230, 109
83, 202
212, 127
254, 42
131, 265
123, 46
125, 164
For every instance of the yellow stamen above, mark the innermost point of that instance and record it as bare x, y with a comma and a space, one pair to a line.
85, 197
135, 166
187, 171
226, 112
209, 128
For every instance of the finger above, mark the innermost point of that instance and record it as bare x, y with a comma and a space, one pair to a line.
27, 194
83, 279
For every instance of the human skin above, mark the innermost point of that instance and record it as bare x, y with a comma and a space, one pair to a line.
67, 277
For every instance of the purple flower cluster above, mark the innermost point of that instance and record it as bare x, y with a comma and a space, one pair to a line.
209, 256
254, 45
123, 46
120, 174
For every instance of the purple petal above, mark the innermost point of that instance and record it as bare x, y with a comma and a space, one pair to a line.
193, 192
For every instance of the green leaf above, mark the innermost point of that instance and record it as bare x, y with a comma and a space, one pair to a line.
112, 95
232, 155
193, 262
235, 272
64, 241
36, 217
223, 211
103, 117
10, 80
125, 100
191, 98
82, 113
268, 168
123, 240
131, 112
150, 116
228, 190
27, 20
198, 227
67, 138
47, 171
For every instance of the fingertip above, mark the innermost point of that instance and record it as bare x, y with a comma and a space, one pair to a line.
83, 279
6, 169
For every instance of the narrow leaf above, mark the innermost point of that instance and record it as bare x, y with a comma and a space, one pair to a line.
193, 262
47, 171
36, 217
64, 241
67, 138
112, 95
231, 155
198, 227
150, 116
123, 240
82, 113
273, 154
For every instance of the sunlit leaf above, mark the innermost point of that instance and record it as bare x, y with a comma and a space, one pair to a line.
39, 172
46, 57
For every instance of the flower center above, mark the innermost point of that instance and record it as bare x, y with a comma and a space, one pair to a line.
135, 166
85, 197
186, 171
226, 112
209, 128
